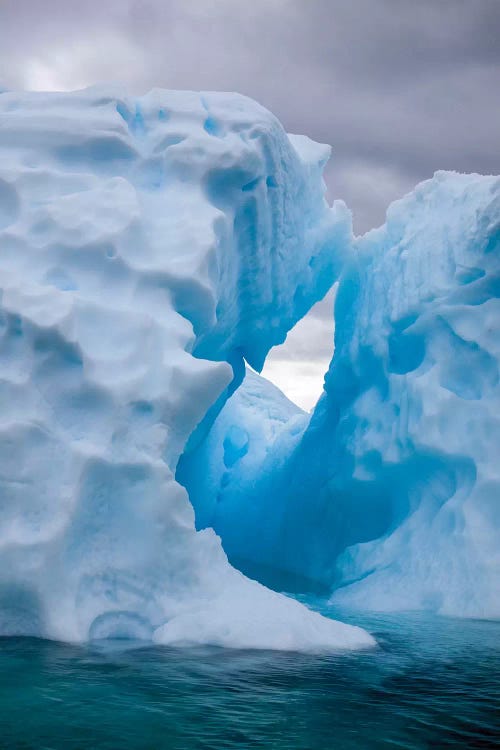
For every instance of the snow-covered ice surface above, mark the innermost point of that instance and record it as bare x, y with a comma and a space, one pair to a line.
146, 246
390, 494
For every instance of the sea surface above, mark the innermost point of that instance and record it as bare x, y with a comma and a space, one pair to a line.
432, 682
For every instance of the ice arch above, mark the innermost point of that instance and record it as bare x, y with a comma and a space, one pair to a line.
389, 494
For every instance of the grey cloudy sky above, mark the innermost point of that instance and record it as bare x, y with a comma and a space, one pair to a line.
400, 88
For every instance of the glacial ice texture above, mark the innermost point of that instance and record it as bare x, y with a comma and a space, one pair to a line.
390, 493
414, 393
147, 248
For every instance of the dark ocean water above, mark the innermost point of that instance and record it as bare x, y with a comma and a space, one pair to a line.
431, 683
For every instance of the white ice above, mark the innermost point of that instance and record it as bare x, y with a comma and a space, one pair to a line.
147, 246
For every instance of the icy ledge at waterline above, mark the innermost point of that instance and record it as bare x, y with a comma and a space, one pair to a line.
389, 494
147, 246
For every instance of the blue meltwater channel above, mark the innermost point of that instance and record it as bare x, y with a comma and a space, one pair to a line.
433, 682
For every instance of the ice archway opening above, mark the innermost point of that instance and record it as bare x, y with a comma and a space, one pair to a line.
298, 366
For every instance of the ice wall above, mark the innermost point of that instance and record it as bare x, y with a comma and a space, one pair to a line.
390, 494
414, 394
147, 246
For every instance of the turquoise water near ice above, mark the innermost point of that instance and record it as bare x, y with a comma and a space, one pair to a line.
431, 683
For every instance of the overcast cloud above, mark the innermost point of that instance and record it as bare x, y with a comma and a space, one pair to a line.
400, 88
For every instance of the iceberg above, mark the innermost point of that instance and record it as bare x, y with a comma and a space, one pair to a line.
153, 250
388, 495
148, 248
